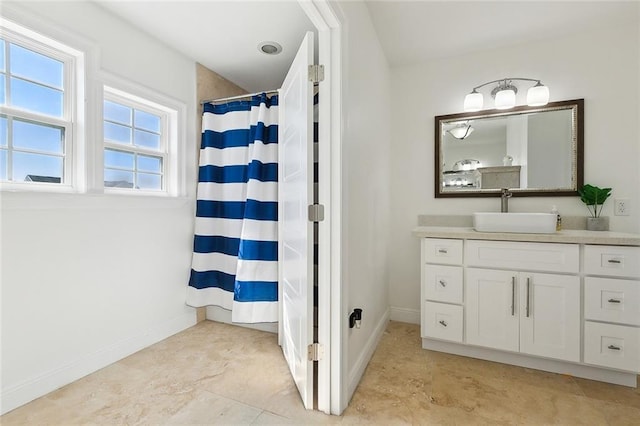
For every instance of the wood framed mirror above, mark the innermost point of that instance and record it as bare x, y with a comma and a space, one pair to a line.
532, 151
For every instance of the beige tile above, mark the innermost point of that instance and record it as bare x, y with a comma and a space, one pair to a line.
477, 368
371, 405
267, 418
618, 414
208, 409
287, 403
41, 411
220, 374
610, 393
110, 386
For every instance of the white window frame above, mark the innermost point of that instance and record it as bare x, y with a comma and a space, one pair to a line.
73, 60
172, 116
162, 152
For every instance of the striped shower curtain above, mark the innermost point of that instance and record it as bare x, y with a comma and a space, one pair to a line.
235, 248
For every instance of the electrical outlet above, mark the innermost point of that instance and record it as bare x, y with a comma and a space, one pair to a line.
621, 207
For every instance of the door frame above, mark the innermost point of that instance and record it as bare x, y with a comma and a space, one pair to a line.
332, 377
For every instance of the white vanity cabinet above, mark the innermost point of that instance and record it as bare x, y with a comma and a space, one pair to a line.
612, 307
533, 313
442, 283
523, 311
570, 308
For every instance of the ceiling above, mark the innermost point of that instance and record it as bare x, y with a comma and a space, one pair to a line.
224, 35
417, 31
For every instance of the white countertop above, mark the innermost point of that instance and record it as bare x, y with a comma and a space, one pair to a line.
564, 236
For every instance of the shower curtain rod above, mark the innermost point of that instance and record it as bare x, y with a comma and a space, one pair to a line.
233, 98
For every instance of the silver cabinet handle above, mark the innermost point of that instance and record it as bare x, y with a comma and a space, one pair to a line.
614, 261
614, 348
444, 323
614, 301
443, 283
513, 296
528, 296
443, 251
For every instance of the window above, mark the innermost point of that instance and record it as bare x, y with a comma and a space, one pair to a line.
136, 143
48, 108
37, 89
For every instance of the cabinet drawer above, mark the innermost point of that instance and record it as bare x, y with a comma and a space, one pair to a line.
614, 346
614, 261
442, 321
543, 257
443, 283
443, 251
612, 300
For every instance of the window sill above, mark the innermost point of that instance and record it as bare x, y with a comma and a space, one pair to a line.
12, 200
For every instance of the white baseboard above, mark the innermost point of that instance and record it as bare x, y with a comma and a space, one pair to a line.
35, 387
216, 313
411, 316
365, 356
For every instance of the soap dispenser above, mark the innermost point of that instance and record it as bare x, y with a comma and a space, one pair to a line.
554, 210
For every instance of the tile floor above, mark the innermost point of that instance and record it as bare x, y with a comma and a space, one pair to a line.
214, 373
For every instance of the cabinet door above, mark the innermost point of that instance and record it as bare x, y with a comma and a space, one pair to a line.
491, 311
550, 316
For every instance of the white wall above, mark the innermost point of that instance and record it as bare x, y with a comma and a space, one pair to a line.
90, 278
601, 66
366, 178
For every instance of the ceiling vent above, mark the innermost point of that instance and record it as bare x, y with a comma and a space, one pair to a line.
269, 48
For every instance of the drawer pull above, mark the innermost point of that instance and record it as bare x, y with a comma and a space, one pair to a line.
443, 251
443, 283
444, 323
528, 295
614, 261
614, 348
614, 301
513, 296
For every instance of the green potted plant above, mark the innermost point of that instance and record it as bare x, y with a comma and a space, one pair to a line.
594, 198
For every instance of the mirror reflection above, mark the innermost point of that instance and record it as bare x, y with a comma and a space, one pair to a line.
531, 150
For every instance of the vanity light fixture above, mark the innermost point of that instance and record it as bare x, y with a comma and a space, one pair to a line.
505, 94
461, 130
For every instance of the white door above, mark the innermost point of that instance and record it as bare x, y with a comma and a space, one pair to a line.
295, 231
492, 311
550, 316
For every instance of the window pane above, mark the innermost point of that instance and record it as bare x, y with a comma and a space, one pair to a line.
118, 179
117, 133
116, 112
2, 98
36, 98
36, 67
147, 181
144, 120
146, 139
149, 164
2, 55
3, 131
118, 159
37, 137
36, 168
3, 164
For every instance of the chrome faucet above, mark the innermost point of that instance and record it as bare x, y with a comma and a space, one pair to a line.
504, 200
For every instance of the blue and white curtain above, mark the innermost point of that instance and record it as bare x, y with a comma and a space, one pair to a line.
235, 250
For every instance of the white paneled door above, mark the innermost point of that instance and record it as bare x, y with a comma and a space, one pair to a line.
295, 231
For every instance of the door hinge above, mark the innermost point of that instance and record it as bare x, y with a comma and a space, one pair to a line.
316, 213
315, 352
316, 73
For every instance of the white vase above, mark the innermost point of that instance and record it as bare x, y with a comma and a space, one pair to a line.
598, 223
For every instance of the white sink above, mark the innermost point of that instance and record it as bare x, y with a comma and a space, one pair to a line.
526, 223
